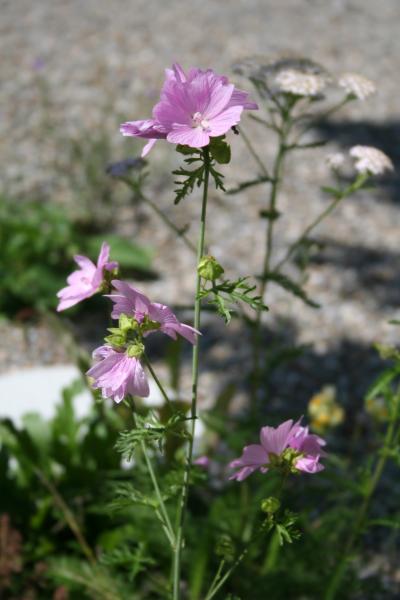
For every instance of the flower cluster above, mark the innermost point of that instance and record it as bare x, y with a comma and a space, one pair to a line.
295, 82
357, 85
118, 371
289, 447
324, 411
193, 108
371, 160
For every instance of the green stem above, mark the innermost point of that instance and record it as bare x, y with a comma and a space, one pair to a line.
221, 580
162, 513
195, 376
180, 232
68, 515
276, 180
307, 232
253, 152
158, 382
216, 579
340, 571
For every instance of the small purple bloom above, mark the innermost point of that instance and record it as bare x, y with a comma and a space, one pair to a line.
86, 281
131, 302
118, 375
274, 442
202, 461
193, 108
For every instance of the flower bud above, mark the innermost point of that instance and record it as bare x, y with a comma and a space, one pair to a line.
209, 268
270, 505
135, 350
127, 323
225, 548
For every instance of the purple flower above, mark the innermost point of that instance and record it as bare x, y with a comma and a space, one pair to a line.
117, 374
202, 461
290, 443
87, 280
193, 108
131, 302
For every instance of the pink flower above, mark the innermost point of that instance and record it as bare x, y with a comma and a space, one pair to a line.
131, 302
202, 461
274, 442
193, 108
87, 280
118, 375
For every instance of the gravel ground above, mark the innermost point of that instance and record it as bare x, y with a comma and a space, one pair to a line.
75, 67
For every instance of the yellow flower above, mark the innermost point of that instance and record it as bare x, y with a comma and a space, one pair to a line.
324, 411
377, 409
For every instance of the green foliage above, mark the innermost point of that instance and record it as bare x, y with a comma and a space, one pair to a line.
225, 295
151, 431
195, 177
38, 243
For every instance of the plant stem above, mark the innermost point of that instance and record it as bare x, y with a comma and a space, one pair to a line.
253, 152
195, 376
218, 581
68, 515
276, 180
180, 232
158, 382
307, 232
162, 513
340, 571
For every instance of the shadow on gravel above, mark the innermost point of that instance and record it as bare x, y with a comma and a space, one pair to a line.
385, 136
364, 268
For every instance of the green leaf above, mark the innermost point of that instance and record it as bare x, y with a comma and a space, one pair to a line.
291, 286
220, 150
382, 382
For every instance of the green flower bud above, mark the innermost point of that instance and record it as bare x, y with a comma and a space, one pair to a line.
270, 505
127, 323
115, 340
135, 350
225, 548
209, 268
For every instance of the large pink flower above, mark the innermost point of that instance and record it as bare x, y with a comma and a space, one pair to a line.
274, 441
193, 108
86, 281
131, 302
118, 375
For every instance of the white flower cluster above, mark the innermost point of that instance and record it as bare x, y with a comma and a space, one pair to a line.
368, 160
357, 85
371, 160
296, 82
335, 160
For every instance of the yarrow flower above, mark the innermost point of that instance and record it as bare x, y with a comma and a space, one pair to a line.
129, 301
118, 373
371, 160
193, 108
357, 85
301, 84
335, 160
290, 447
86, 281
